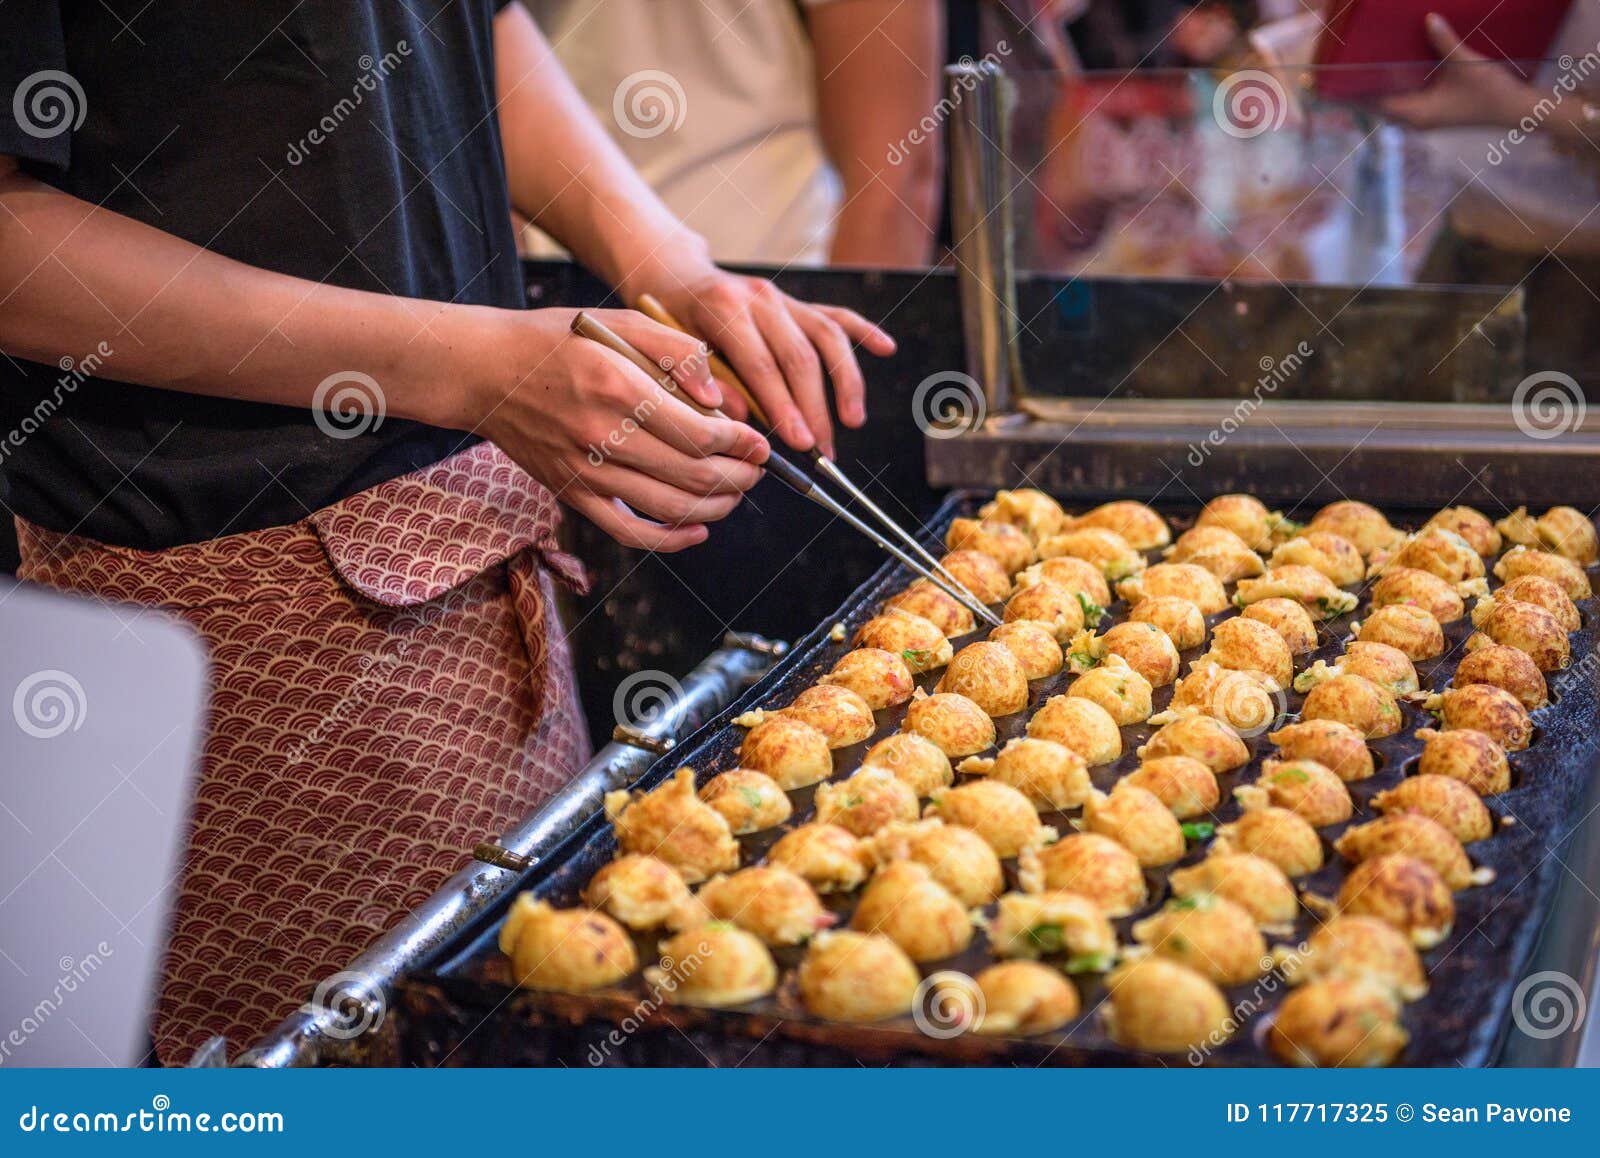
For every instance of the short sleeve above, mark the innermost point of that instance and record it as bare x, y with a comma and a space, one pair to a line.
40, 102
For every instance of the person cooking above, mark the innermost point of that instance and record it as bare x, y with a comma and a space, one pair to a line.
267, 367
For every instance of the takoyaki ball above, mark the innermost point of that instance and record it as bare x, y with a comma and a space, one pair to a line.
1023, 997
1484, 708
980, 574
879, 677
1107, 550
1052, 776
1527, 628
1411, 834
714, 965
828, 858
1208, 740
934, 604
1473, 526
564, 950
1561, 571
1253, 883
1357, 701
1357, 522
1049, 924
674, 825
1340, 1021
1116, 687
1420, 589
1330, 743
1405, 892
1535, 589
1474, 758
1275, 834
1142, 527
1450, 802
1163, 1007
1241, 644
642, 893
1290, 620
1135, 818
1246, 701
1090, 865
1034, 645
988, 675
865, 801
861, 977
1218, 550
1305, 585
1079, 576
957, 725
789, 750
1080, 724
920, 643
1210, 934
1143, 646
1304, 787
1438, 551
915, 761
749, 800
1333, 555
1034, 511
905, 903
997, 812
1048, 604
1007, 545
958, 858
1187, 787
1245, 516
1405, 627
1182, 580
1565, 531
841, 715
770, 901
1385, 666
1359, 947
1504, 667
1180, 619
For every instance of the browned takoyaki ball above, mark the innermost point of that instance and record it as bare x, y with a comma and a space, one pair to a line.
1077, 575
1048, 924
957, 725
1333, 555
1359, 523
837, 712
1410, 834
1450, 802
1049, 604
1339, 1021
1208, 740
934, 604
1304, 787
1210, 934
980, 574
1565, 531
1218, 550
791, 751
1405, 892
672, 824
1135, 818
1246, 517
1142, 527
1474, 758
1504, 667
1241, 644
1527, 628
1164, 1007
1034, 511
1146, 649
1561, 571
997, 812
988, 675
905, 903
1247, 701
1034, 645
879, 677
865, 801
1290, 620
1253, 883
1080, 724
1473, 526
829, 858
1274, 834
1535, 589
958, 858
1359, 947
1091, 865
1007, 545
1307, 586
1383, 665
1187, 787
1429, 592
1052, 776
920, 643
1357, 701
1484, 708
1438, 551
860, 977
565, 950
1107, 550
1024, 997
1405, 627
714, 965
914, 760
774, 903
1330, 743
1181, 580
749, 800
1116, 687
1180, 619
643, 893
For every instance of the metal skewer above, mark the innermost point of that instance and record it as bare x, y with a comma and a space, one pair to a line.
590, 327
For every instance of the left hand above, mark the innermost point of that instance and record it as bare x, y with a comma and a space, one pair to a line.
1467, 89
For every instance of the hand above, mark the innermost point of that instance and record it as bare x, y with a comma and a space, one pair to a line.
635, 459
1467, 89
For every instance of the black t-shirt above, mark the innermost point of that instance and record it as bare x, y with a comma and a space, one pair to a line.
351, 142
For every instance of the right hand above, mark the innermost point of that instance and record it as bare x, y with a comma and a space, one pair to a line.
637, 461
